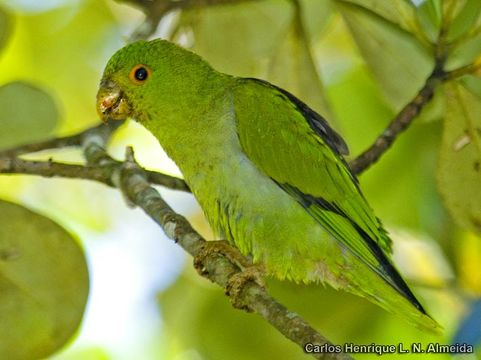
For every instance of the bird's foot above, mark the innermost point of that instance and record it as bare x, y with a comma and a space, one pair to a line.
240, 281
222, 248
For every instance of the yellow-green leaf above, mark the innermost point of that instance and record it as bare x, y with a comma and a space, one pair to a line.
27, 114
459, 170
43, 284
472, 83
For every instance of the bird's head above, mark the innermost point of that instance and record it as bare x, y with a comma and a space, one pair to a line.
147, 77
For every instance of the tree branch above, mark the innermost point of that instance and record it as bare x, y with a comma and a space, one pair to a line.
408, 113
10, 163
14, 165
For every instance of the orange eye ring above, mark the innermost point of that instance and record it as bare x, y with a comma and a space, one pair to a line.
139, 74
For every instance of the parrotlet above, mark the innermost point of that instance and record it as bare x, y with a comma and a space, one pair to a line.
267, 170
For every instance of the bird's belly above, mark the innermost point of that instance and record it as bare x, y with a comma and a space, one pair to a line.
262, 220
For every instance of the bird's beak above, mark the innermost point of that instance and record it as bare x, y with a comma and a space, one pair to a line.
111, 102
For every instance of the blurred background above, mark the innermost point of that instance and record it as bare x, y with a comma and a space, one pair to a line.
356, 62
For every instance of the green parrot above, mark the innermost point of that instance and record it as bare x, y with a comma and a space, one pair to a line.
267, 170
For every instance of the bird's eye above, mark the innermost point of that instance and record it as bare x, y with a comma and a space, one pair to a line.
139, 74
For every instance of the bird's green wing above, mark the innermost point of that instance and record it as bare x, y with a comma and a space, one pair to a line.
297, 149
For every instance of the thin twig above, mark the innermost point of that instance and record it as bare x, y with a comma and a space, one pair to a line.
408, 113
464, 70
54, 169
102, 130
15, 166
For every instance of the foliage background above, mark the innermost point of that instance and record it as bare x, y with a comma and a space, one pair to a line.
355, 61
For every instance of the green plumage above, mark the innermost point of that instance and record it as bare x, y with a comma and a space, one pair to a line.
266, 169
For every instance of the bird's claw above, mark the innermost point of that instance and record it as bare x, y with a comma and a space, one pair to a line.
222, 248
238, 282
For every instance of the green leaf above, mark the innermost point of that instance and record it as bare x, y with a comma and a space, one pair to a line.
384, 46
43, 284
5, 27
467, 52
429, 15
464, 21
472, 83
28, 114
459, 169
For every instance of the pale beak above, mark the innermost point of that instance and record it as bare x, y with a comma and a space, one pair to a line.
111, 102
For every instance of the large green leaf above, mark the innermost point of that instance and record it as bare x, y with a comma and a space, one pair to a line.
396, 58
459, 170
43, 284
27, 114
5, 27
